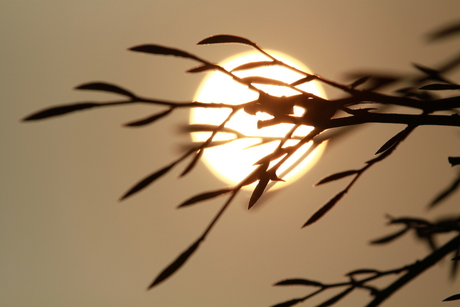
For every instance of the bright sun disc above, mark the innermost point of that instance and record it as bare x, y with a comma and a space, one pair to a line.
233, 161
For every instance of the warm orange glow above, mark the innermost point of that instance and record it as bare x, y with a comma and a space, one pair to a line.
234, 161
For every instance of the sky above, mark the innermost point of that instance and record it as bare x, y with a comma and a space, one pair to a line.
65, 238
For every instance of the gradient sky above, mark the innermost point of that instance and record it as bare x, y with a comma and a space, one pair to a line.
67, 241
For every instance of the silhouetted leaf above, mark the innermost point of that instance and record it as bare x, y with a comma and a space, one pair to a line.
336, 298
298, 282
304, 80
176, 264
289, 303
362, 271
225, 39
318, 214
201, 68
432, 73
359, 81
440, 87
149, 120
253, 65
391, 237
105, 87
192, 164
157, 49
337, 176
394, 140
259, 190
454, 160
444, 194
452, 298
263, 80
147, 180
204, 196
445, 32
60, 110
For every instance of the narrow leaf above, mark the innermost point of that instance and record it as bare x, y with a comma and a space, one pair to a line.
60, 110
176, 264
445, 32
157, 49
440, 87
148, 120
452, 298
396, 139
432, 73
336, 298
253, 65
225, 39
454, 160
289, 303
303, 80
201, 68
263, 80
363, 271
391, 237
147, 180
359, 81
105, 87
204, 196
444, 194
324, 209
337, 176
192, 163
259, 190
298, 282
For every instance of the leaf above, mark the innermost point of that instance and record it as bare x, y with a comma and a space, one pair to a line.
176, 264
147, 180
448, 191
304, 80
259, 190
253, 65
192, 163
225, 39
337, 176
396, 139
359, 81
263, 80
391, 237
336, 298
432, 73
454, 160
298, 282
204, 196
157, 49
363, 271
149, 119
324, 209
440, 87
60, 110
201, 68
452, 298
289, 303
105, 87
445, 32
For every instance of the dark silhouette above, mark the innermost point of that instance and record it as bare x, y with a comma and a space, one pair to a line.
363, 101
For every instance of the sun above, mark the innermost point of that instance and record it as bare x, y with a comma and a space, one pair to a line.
233, 161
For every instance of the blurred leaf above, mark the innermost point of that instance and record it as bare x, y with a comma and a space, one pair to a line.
450, 30
411, 222
209, 128
147, 180
289, 303
105, 87
60, 110
394, 140
192, 163
359, 81
454, 160
391, 237
324, 209
201, 68
445, 193
157, 49
304, 80
452, 298
259, 190
263, 80
337, 176
432, 73
225, 39
204, 196
363, 271
252, 65
336, 298
149, 119
298, 282
176, 264
440, 87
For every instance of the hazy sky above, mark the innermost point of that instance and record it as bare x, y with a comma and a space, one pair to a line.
67, 241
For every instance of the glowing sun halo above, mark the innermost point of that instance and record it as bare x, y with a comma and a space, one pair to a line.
233, 161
